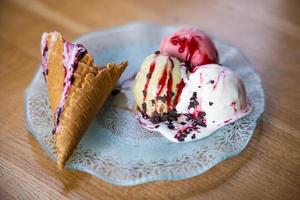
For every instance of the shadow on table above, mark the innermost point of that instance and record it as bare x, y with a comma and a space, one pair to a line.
67, 179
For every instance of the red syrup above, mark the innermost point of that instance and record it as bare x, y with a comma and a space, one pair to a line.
161, 83
184, 43
197, 112
182, 133
167, 79
179, 88
218, 79
169, 85
151, 70
162, 80
233, 105
226, 121
191, 45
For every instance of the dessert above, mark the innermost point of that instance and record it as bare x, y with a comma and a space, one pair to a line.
158, 85
77, 89
215, 90
215, 96
191, 46
200, 97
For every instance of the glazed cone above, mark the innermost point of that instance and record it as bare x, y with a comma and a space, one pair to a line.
91, 87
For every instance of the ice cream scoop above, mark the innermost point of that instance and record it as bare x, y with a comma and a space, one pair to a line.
183, 93
190, 45
158, 86
216, 91
212, 97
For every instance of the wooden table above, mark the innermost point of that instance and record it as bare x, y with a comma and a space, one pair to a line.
267, 31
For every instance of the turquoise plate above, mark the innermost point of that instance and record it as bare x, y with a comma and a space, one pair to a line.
116, 148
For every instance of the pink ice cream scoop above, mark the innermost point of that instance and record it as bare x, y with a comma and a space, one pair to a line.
190, 45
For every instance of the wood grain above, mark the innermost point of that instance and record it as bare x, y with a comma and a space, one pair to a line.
268, 32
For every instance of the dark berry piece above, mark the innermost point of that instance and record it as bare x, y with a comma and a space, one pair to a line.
144, 107
153, 102
163, 98
149, 75
115, 92
171, 126
144, 93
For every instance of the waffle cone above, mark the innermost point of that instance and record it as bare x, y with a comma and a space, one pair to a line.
55, 78
91, 87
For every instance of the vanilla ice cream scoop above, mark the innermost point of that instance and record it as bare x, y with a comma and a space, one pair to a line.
216, 91
158, 86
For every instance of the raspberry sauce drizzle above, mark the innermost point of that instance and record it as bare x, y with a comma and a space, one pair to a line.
218, 79
161, 83
162, 80
179, 88
226, 121
234, 106
190, 45
145, 90
182, 133
151, 70
71, 56
44, 51
169, 85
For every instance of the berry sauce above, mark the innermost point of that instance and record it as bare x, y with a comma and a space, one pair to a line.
71, 56
161, 84
186, 44
169, 85
165, 80
44, 51
190, 45
151, 70
233, 105
218, 79
179, 88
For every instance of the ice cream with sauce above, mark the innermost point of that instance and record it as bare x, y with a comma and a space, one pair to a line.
181, 96
212, 97
158, 86
215, 90
190, 45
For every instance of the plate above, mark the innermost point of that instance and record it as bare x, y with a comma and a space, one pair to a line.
116, 148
